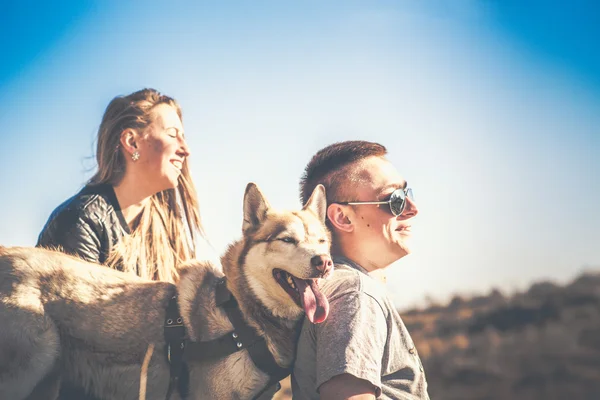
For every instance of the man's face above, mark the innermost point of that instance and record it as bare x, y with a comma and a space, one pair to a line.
382, 237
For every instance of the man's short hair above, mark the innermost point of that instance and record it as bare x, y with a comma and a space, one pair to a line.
331, 166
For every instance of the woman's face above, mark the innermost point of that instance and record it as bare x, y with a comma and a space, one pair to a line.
163, 149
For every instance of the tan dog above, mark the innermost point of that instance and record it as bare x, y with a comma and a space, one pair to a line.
63, 319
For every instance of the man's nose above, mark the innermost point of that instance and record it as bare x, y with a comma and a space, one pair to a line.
410, 210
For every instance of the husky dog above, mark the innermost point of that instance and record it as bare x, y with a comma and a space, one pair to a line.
66, 320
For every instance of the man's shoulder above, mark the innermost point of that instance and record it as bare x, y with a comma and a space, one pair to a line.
344, 280
347, 280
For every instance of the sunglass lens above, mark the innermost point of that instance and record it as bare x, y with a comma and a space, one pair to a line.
397, 202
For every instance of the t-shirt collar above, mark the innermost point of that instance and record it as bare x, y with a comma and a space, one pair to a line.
350, 263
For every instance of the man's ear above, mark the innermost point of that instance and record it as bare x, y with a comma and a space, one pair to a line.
255, 208
339, 217
129, 141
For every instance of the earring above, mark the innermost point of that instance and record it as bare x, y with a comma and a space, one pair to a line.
135, 156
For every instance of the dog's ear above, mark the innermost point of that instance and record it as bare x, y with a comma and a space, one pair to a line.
317, 202
255, 207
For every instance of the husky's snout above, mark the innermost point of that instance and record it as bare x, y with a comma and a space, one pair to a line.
322, 263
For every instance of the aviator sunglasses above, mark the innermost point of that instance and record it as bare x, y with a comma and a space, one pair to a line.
397, 201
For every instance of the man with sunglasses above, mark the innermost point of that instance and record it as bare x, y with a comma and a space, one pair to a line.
362, 350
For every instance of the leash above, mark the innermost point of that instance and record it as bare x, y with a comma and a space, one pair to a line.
243, 337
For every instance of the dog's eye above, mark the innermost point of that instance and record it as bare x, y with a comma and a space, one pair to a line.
288, 239
322, 240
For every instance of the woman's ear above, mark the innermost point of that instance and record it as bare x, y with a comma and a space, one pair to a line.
129, 141
339, 217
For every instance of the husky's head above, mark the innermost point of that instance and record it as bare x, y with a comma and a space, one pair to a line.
286, 253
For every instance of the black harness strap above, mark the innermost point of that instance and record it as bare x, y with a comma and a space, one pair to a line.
255, 344
175, 338
243, 337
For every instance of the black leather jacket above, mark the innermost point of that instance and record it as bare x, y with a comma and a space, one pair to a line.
87, 225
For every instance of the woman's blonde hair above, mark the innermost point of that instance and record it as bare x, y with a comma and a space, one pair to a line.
167, 231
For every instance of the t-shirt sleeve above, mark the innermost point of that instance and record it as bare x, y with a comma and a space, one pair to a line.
351, 340
71, 234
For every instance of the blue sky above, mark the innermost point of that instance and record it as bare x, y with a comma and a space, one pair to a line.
490, 109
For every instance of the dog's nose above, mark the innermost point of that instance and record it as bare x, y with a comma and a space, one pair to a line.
322, 262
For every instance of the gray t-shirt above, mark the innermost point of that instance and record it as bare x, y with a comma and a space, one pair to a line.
363, 336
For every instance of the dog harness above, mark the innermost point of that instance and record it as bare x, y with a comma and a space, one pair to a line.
180, 350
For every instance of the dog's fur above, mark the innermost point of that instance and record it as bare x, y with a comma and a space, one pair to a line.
66, 320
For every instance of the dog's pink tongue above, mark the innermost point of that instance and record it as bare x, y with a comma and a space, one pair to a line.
315, 304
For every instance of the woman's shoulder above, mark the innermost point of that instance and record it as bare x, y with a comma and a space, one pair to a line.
91, 207
91, 202
80, 225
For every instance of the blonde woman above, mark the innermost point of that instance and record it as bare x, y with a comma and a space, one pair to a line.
139, 213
